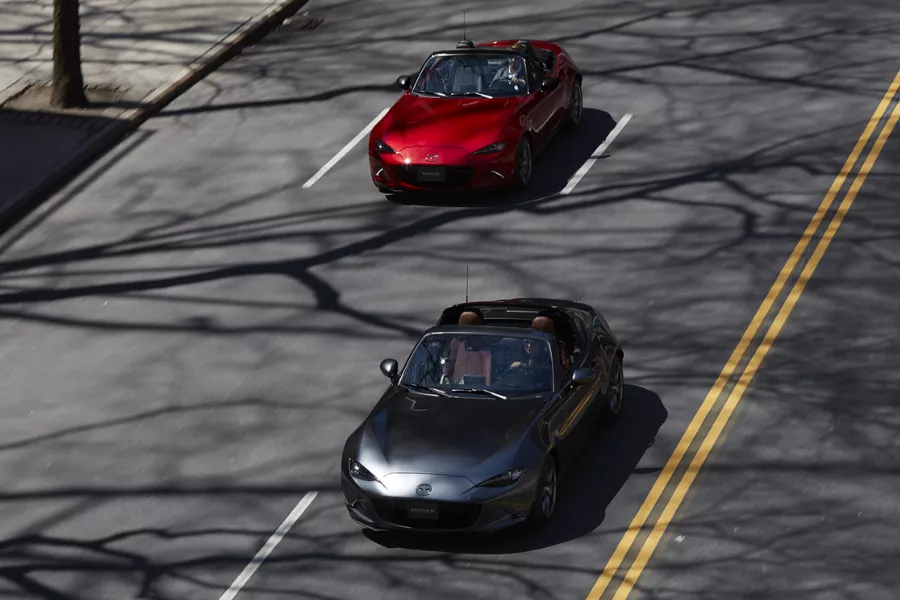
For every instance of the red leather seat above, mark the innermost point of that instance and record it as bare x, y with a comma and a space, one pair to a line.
472, 362
467, 318
544, 323
470, 318
462, 362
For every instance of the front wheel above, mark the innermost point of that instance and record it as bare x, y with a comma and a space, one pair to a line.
523, 164
545, 495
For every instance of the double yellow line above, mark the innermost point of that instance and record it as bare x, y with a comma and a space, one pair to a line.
659, 528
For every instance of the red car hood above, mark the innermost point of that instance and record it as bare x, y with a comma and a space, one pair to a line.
471, 122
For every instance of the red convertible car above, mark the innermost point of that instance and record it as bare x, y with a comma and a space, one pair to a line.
474, 118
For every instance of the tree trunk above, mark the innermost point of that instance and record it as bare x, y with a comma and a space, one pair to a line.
68, 82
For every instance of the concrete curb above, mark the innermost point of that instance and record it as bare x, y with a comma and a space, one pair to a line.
251, 31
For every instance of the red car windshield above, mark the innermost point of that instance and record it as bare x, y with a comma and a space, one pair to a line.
492, 76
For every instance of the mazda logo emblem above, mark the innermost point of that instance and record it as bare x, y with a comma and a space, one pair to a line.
431, 157
423, 489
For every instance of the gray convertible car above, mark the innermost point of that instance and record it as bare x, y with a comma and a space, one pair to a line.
490, 408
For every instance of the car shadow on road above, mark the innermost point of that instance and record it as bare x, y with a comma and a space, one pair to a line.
608, 458
552, 169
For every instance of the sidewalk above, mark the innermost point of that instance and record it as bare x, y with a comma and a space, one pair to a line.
137, 55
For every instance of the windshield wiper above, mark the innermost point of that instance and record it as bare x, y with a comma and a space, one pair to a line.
434, 390
472, 94
480, 391
429, 93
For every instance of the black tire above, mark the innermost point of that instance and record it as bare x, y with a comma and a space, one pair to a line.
400, 196
524, 164
545, 494
576, 107
381, 190
612, 405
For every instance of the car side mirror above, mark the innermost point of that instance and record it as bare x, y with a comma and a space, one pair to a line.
389, 368
581, 376
404, 82
549, 83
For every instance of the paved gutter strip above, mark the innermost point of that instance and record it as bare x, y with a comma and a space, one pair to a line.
251, 31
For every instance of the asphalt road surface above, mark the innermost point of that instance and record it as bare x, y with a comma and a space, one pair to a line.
189, 335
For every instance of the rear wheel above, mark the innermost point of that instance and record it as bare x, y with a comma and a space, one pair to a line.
545, 494
576, 107
613, 405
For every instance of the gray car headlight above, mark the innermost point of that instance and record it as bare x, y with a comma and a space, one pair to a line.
359, 471
506, 478
491, 149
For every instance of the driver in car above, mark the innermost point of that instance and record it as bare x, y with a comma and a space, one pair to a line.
514, 72
537, 359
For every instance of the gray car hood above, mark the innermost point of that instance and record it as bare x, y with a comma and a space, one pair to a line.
468, 437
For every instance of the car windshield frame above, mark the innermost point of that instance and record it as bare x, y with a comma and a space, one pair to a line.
500, 55
429, 379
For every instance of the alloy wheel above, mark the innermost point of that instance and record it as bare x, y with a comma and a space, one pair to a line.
617, 390
524, 171
548, 489
576, 106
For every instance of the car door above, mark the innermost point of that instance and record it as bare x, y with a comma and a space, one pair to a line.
585, 358
557, 101
602, 356
540, 116
566, 425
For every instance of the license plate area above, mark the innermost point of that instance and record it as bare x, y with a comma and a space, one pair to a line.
431, 174
422, 510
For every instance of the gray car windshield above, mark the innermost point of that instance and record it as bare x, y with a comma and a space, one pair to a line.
492, 76
508, 365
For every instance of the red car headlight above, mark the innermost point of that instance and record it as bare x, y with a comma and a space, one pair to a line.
491, 149
383, 148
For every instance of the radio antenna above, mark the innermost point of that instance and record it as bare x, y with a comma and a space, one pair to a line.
467, 283
464, 28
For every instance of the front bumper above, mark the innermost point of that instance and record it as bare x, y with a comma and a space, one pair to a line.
461, 508
394, 172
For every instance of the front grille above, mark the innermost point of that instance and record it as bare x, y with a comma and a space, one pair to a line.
451, 515
456, 176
